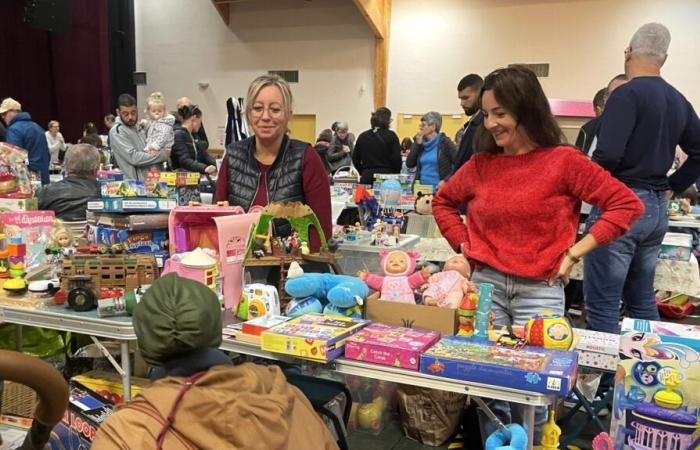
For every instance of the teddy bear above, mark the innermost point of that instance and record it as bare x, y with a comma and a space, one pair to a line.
400, 277
333, 294
424, 203
446, 289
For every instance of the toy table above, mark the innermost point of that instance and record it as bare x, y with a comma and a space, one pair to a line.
61, 318
406, 376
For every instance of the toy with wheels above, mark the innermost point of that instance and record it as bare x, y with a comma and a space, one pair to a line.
81, 293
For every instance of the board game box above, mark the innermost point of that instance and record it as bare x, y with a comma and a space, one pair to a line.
35, 229
532, 369
389, 345
131, 204
313, 336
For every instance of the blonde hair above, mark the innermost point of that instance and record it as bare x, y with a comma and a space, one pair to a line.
155, 98
52, 123
269, 80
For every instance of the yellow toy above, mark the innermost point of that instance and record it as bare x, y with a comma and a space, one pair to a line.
550, 433
669, 398
549, 330
369, 415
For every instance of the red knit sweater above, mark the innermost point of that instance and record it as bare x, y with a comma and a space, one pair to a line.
523, 210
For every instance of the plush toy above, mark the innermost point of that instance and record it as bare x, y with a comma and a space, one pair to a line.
424, 203
343, 294
513, 439
446, 289
400, 279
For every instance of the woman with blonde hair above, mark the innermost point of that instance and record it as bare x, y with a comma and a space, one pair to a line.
269, 166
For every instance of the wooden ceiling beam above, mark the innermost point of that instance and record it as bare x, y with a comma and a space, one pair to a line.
377, 13
222, 7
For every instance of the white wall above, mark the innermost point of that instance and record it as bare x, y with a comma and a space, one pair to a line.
182, 42
435, 43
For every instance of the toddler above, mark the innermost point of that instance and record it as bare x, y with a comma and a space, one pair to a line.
159, 126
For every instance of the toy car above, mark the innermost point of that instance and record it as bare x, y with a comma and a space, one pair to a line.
81, 294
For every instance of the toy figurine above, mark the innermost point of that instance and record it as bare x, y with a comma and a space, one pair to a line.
550, 433
304, 248
446, 289
466, 313
400, 279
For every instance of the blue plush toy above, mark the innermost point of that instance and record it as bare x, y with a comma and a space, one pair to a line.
310, 290
499, 439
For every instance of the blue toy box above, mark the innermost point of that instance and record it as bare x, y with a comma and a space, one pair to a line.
532, 369
86, 411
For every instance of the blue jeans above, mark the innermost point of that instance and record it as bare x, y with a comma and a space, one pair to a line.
515, 300
624, 269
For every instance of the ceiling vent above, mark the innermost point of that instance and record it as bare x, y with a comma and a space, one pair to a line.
291, 76
541, 69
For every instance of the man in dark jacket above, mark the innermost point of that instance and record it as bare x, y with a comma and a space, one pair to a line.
588, 129
468, 92
68, 198
23, 132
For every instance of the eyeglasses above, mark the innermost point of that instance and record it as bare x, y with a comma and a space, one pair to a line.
274, 112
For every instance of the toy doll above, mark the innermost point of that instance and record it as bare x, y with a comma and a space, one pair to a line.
60, 238
400, 279
446, 289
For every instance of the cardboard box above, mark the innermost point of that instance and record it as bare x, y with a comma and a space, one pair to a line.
389, 345
35, 229
180, 178
134, 188
151, 241
443, 320
531, 369
312, 336
138, 222
135, 204
109, 385
657, 385
676, 247
19, 204
85, 413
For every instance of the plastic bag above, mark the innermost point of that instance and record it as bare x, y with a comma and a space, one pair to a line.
429, 416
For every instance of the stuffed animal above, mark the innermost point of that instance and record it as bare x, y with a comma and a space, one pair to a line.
342, 293
446, 289
400, 279
424, 203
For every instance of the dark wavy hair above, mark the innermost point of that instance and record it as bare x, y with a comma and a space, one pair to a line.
517, 90
187, 111
381, 118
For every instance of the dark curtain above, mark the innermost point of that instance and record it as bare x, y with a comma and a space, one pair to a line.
57, 76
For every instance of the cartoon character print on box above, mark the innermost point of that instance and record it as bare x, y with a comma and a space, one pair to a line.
399, 278
34, 227
446, 289
656, 398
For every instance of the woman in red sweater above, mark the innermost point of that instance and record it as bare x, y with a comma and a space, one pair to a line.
523, 191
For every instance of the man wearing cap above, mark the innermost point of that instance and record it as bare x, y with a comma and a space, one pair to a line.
198, 399
23, 132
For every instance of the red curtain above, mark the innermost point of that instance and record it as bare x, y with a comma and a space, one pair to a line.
57, 76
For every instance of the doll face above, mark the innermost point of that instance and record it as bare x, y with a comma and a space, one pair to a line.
458, 263
396, 262
63, 239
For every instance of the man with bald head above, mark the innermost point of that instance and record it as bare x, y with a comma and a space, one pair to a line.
200, 137
643, 122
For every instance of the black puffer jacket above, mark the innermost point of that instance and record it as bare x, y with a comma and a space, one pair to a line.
337, 158
284, 181
186, 155
68, 198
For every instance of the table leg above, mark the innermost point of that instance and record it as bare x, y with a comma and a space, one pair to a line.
529, 423
126, 366
19, 339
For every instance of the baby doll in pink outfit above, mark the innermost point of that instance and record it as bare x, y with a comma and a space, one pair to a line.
400, 279
447, 288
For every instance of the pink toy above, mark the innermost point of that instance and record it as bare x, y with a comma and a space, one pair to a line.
400, 279
447, 288
390, 346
